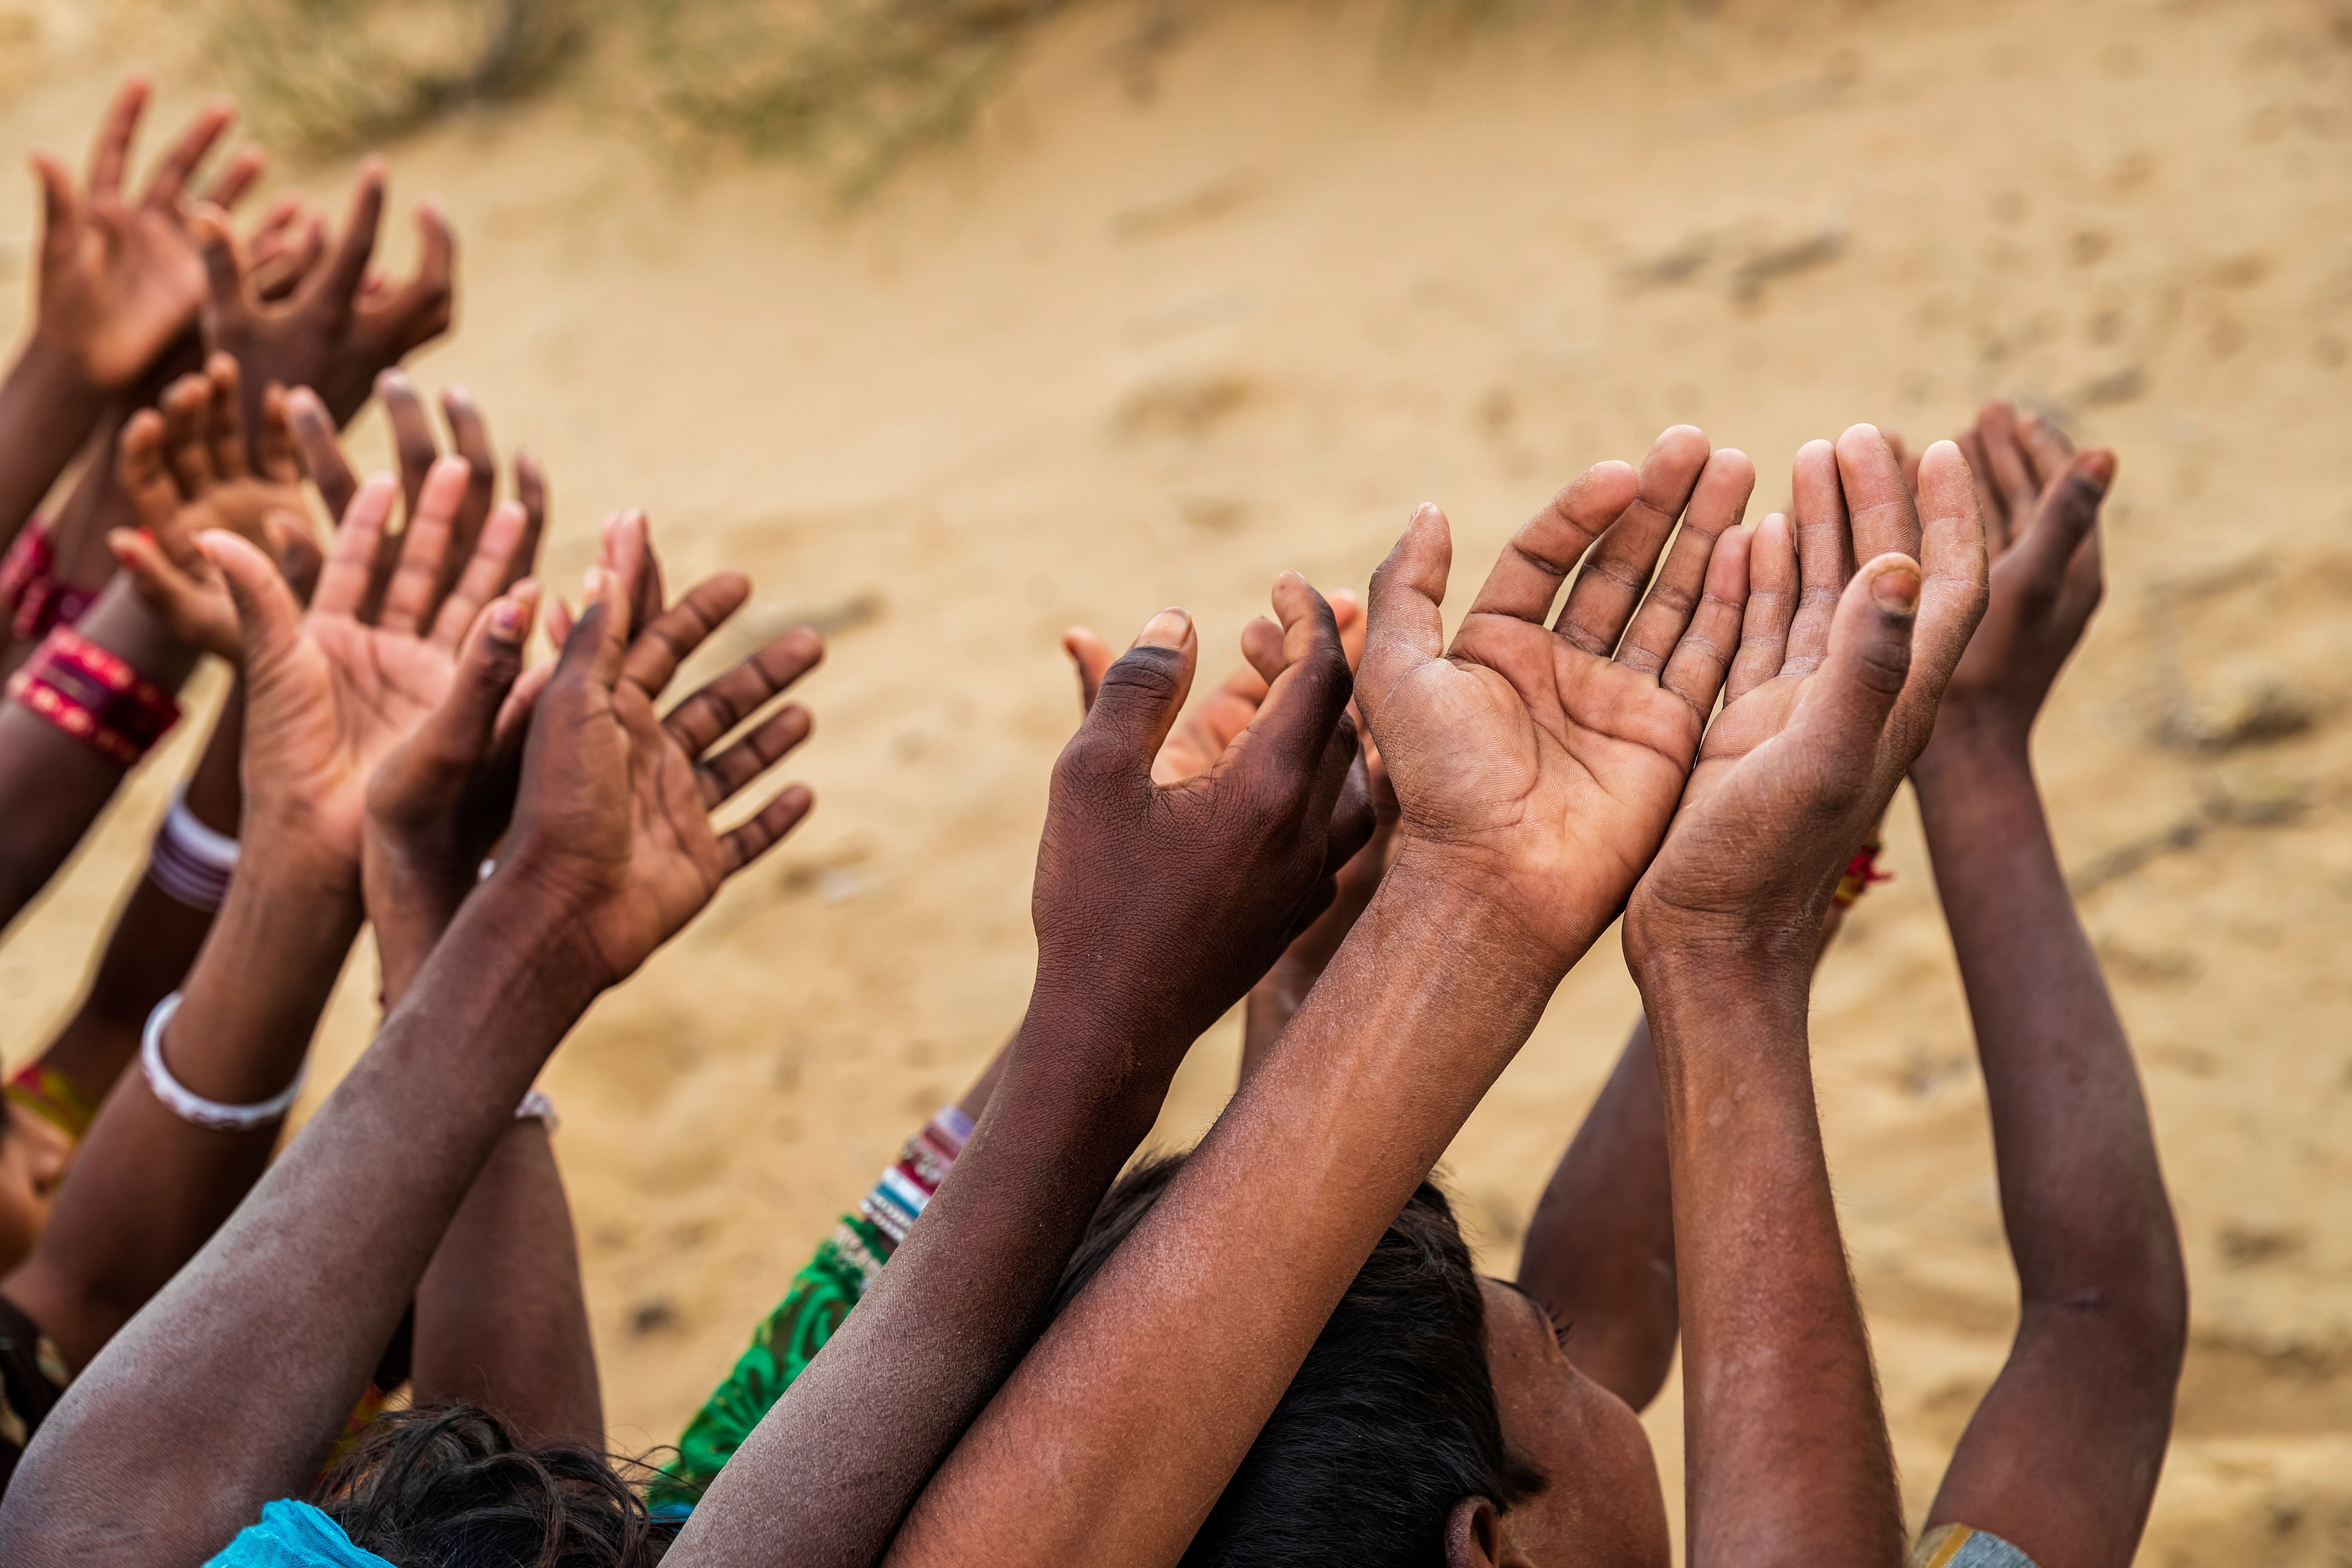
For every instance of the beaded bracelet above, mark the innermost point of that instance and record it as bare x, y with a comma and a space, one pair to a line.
899, 1198
191, 862
190, 1106
54, 1095
94, 695
1861, 873
33, 599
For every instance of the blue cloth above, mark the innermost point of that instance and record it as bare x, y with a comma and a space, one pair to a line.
294, 1535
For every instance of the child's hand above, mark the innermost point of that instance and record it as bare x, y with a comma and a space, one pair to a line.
329, 694
612, 821
341, 326
120, 280
1540, 762
185, 471
1830, 697
2040, 501
1172, 875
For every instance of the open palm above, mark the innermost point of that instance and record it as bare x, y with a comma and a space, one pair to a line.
1543, 760
1832, 695
330, 695
613, 815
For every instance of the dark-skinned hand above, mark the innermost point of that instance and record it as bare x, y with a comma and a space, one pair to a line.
1161, 904
1832, 696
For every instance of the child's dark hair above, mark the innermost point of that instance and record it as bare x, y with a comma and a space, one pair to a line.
1389, 1422
447, 1485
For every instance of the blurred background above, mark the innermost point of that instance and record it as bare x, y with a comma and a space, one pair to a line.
956, 321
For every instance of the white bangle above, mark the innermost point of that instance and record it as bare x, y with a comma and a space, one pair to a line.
535, 1103
189, 1106
191, 862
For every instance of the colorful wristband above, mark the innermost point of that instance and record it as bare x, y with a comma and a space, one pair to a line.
35, 600
190, 861
899, 1198
190, 1106
1861, 873
57, 1097
94, 695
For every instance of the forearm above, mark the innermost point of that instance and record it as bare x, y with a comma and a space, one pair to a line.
287, 1286
47, 411
1786, 1451
155, 938
148, 1189
1599, 1251
501, 1321
1115, 1436
2081, 1188
831, 1471
54, 785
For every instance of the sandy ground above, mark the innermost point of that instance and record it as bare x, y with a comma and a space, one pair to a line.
1121, 351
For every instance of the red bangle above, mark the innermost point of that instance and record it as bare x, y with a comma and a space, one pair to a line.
36, 601
94, 695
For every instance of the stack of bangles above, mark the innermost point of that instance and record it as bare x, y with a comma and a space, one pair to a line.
1861, 873
189, 1106
33, 599
904, 1190
191, 862
94, 695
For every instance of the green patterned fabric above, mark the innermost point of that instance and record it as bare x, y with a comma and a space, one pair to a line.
819, 1297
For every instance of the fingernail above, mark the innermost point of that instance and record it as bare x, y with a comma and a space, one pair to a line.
147, 534
2099, 469
1165, 629
1897, 590
506, 619
592, 584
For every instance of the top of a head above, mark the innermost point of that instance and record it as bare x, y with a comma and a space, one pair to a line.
447, 1486
1389, 1422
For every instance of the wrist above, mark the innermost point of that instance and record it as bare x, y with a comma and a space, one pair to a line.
1973, 728
50, 367
536, 928
1449, 890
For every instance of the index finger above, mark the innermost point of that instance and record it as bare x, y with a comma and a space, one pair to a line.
322, 459
110, 153
169, 180
1293, 725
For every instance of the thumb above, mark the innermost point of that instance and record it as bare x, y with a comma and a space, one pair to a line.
488, 661
1869, 661
1403, 629
57, 206
1140, 694
597, 642
265, 609
2068, 513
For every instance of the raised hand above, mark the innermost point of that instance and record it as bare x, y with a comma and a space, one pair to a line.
1830, 697
331, 694
1540, 762
339, 328
120, 278
612, 818
185, 469
2040, 501
417, 450
1237, 857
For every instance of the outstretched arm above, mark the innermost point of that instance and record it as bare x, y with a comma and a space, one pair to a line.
611, 853
1830, 697
2062, 1458
1158, 901
1534, 770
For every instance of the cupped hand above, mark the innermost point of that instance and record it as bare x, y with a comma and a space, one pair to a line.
612, 821
340, 327
1539, 763
120, 280
1832, 695
330, 695
2040, 501
1159, 903
185, 469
